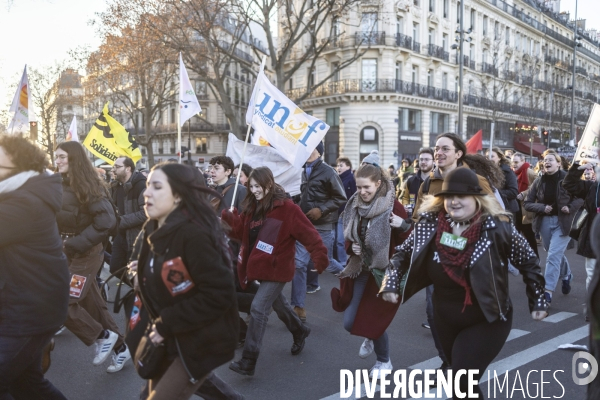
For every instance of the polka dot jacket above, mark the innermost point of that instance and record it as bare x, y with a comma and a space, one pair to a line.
498, 244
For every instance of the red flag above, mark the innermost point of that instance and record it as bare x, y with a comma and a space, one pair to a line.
475, 144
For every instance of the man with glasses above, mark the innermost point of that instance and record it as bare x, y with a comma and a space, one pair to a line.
128, 195
410, 190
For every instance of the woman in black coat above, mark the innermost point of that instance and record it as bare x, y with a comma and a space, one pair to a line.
510, 190
185, 281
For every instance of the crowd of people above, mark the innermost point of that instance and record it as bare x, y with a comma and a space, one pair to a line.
201, 249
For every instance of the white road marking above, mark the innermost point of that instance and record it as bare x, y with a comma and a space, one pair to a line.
561, 316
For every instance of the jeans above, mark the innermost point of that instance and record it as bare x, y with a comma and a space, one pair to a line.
339, 249
431, 322
268, 294
555, 244
381, 344
21, 374
304, 276
590, 267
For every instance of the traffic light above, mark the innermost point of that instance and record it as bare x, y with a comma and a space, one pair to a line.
33, 131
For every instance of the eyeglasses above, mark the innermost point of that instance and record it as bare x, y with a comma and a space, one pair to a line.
425, 159
117, 166
443, 149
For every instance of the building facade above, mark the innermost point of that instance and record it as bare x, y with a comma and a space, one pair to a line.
67, 98
404, 89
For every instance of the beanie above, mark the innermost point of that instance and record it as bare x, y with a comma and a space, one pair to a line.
320, 148
372, 158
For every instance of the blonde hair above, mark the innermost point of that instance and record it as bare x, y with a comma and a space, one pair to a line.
487, 204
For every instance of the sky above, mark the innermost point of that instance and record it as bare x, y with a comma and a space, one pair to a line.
40, 32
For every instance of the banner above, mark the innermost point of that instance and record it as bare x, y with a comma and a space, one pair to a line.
281, 123
263, 156
587, 150
188, 102
72, 134
20, 106
109, 140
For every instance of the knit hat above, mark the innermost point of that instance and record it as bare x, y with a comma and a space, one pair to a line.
461, 181
372, 158
320, 148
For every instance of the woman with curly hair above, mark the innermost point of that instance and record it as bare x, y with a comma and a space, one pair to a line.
510, 190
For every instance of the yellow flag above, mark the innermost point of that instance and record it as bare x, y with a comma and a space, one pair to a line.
109, 140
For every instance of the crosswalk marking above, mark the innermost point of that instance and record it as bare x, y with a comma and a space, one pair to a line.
558, 317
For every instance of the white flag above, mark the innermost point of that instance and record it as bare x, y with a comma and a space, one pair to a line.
72, 134
588, 145
20, 106
188, 102
282, 124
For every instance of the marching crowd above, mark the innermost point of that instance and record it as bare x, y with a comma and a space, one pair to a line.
200, 250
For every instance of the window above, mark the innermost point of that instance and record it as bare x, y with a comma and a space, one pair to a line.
445, 81
518, 41
335, 70
291, 84
417, 2
431, 36
69, 108
445, 42
311, 77
440, 123
473, 16
201, 145
484, 56
485, 25
335, 27
399, 25
368, 22
431, 5
507, 36
456, 84
458, 12
332, 116
415, 74
497, 30
415, 32
410, 120
200, 88
446, 10
369, 74
399, 71
429, 77
173, 120
369, 141
471, 88
472, 51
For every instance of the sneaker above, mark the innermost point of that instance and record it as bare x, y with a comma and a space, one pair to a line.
366, 349
312, 289
104, 347
60, 330
566, 284
118, 360
426, 325
380, 366
301, 313
548, 297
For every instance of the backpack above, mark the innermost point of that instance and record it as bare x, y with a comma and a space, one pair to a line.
216, 201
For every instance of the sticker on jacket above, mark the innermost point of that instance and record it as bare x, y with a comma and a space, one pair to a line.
267, 248
76, 285
176, 277
135, 312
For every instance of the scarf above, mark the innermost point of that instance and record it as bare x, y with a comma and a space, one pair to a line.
379, 231
16, 181
522, 177
454, 261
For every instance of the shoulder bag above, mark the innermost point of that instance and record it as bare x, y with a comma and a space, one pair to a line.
578, 223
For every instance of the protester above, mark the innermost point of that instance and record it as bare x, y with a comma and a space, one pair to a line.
85, 220
554, 210
405, 171
268, 229
221, 168
344, 169
185, 279
510, 189
373, 220
322, 194
524, 219
473, 312
410, 191
589, 173
128, 195
33, 270
244, 174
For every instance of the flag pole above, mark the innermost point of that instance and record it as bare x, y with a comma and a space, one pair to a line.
237, 178
179, 130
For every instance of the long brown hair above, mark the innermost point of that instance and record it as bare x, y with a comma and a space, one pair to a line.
272, 192
83, 178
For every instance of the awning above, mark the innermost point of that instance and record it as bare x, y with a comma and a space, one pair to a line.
524, 148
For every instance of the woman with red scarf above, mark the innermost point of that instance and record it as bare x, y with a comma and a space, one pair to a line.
462, 244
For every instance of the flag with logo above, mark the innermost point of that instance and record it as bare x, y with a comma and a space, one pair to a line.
20, 106
188, 102
72, 134
109, 140
282, 124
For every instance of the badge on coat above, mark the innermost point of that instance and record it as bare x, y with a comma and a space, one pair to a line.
176, 277
76, 285
262, 246
454, 241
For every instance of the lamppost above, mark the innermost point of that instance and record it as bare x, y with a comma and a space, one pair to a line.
576, 44
460, 38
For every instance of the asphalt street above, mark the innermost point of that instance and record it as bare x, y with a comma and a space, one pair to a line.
315, 373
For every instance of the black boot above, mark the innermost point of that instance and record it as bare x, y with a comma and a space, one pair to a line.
244, 367
299, 339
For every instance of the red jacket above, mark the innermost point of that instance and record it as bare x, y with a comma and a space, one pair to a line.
272, 257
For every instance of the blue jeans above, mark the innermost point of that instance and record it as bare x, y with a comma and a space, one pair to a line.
340, 245
431, 322
21, 374
381, 344
555, 244
304, 276
268, 294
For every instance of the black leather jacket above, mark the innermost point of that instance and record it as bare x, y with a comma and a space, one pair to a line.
323, 190
488, 268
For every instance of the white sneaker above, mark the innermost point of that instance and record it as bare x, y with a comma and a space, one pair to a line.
60, 330
380, 366
366, 348
104, 347
118, 360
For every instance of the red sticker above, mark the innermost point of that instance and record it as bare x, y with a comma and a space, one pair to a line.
176, 277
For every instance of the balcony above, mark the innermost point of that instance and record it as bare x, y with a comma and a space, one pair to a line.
543, 85
438, 52
489, 69
563, 65
404, 41
527, 80
581, 70
511, 76
242, 55
370, 38
550, 59
416, 47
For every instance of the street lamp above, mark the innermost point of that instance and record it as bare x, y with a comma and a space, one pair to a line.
460, 38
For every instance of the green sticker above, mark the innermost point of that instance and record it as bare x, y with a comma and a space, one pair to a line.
456, 242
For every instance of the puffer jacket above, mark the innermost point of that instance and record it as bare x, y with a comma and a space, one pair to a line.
589, 191
34, 274
510, 191
322, 190
535, 203
488, 268
133, 216
86, 224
